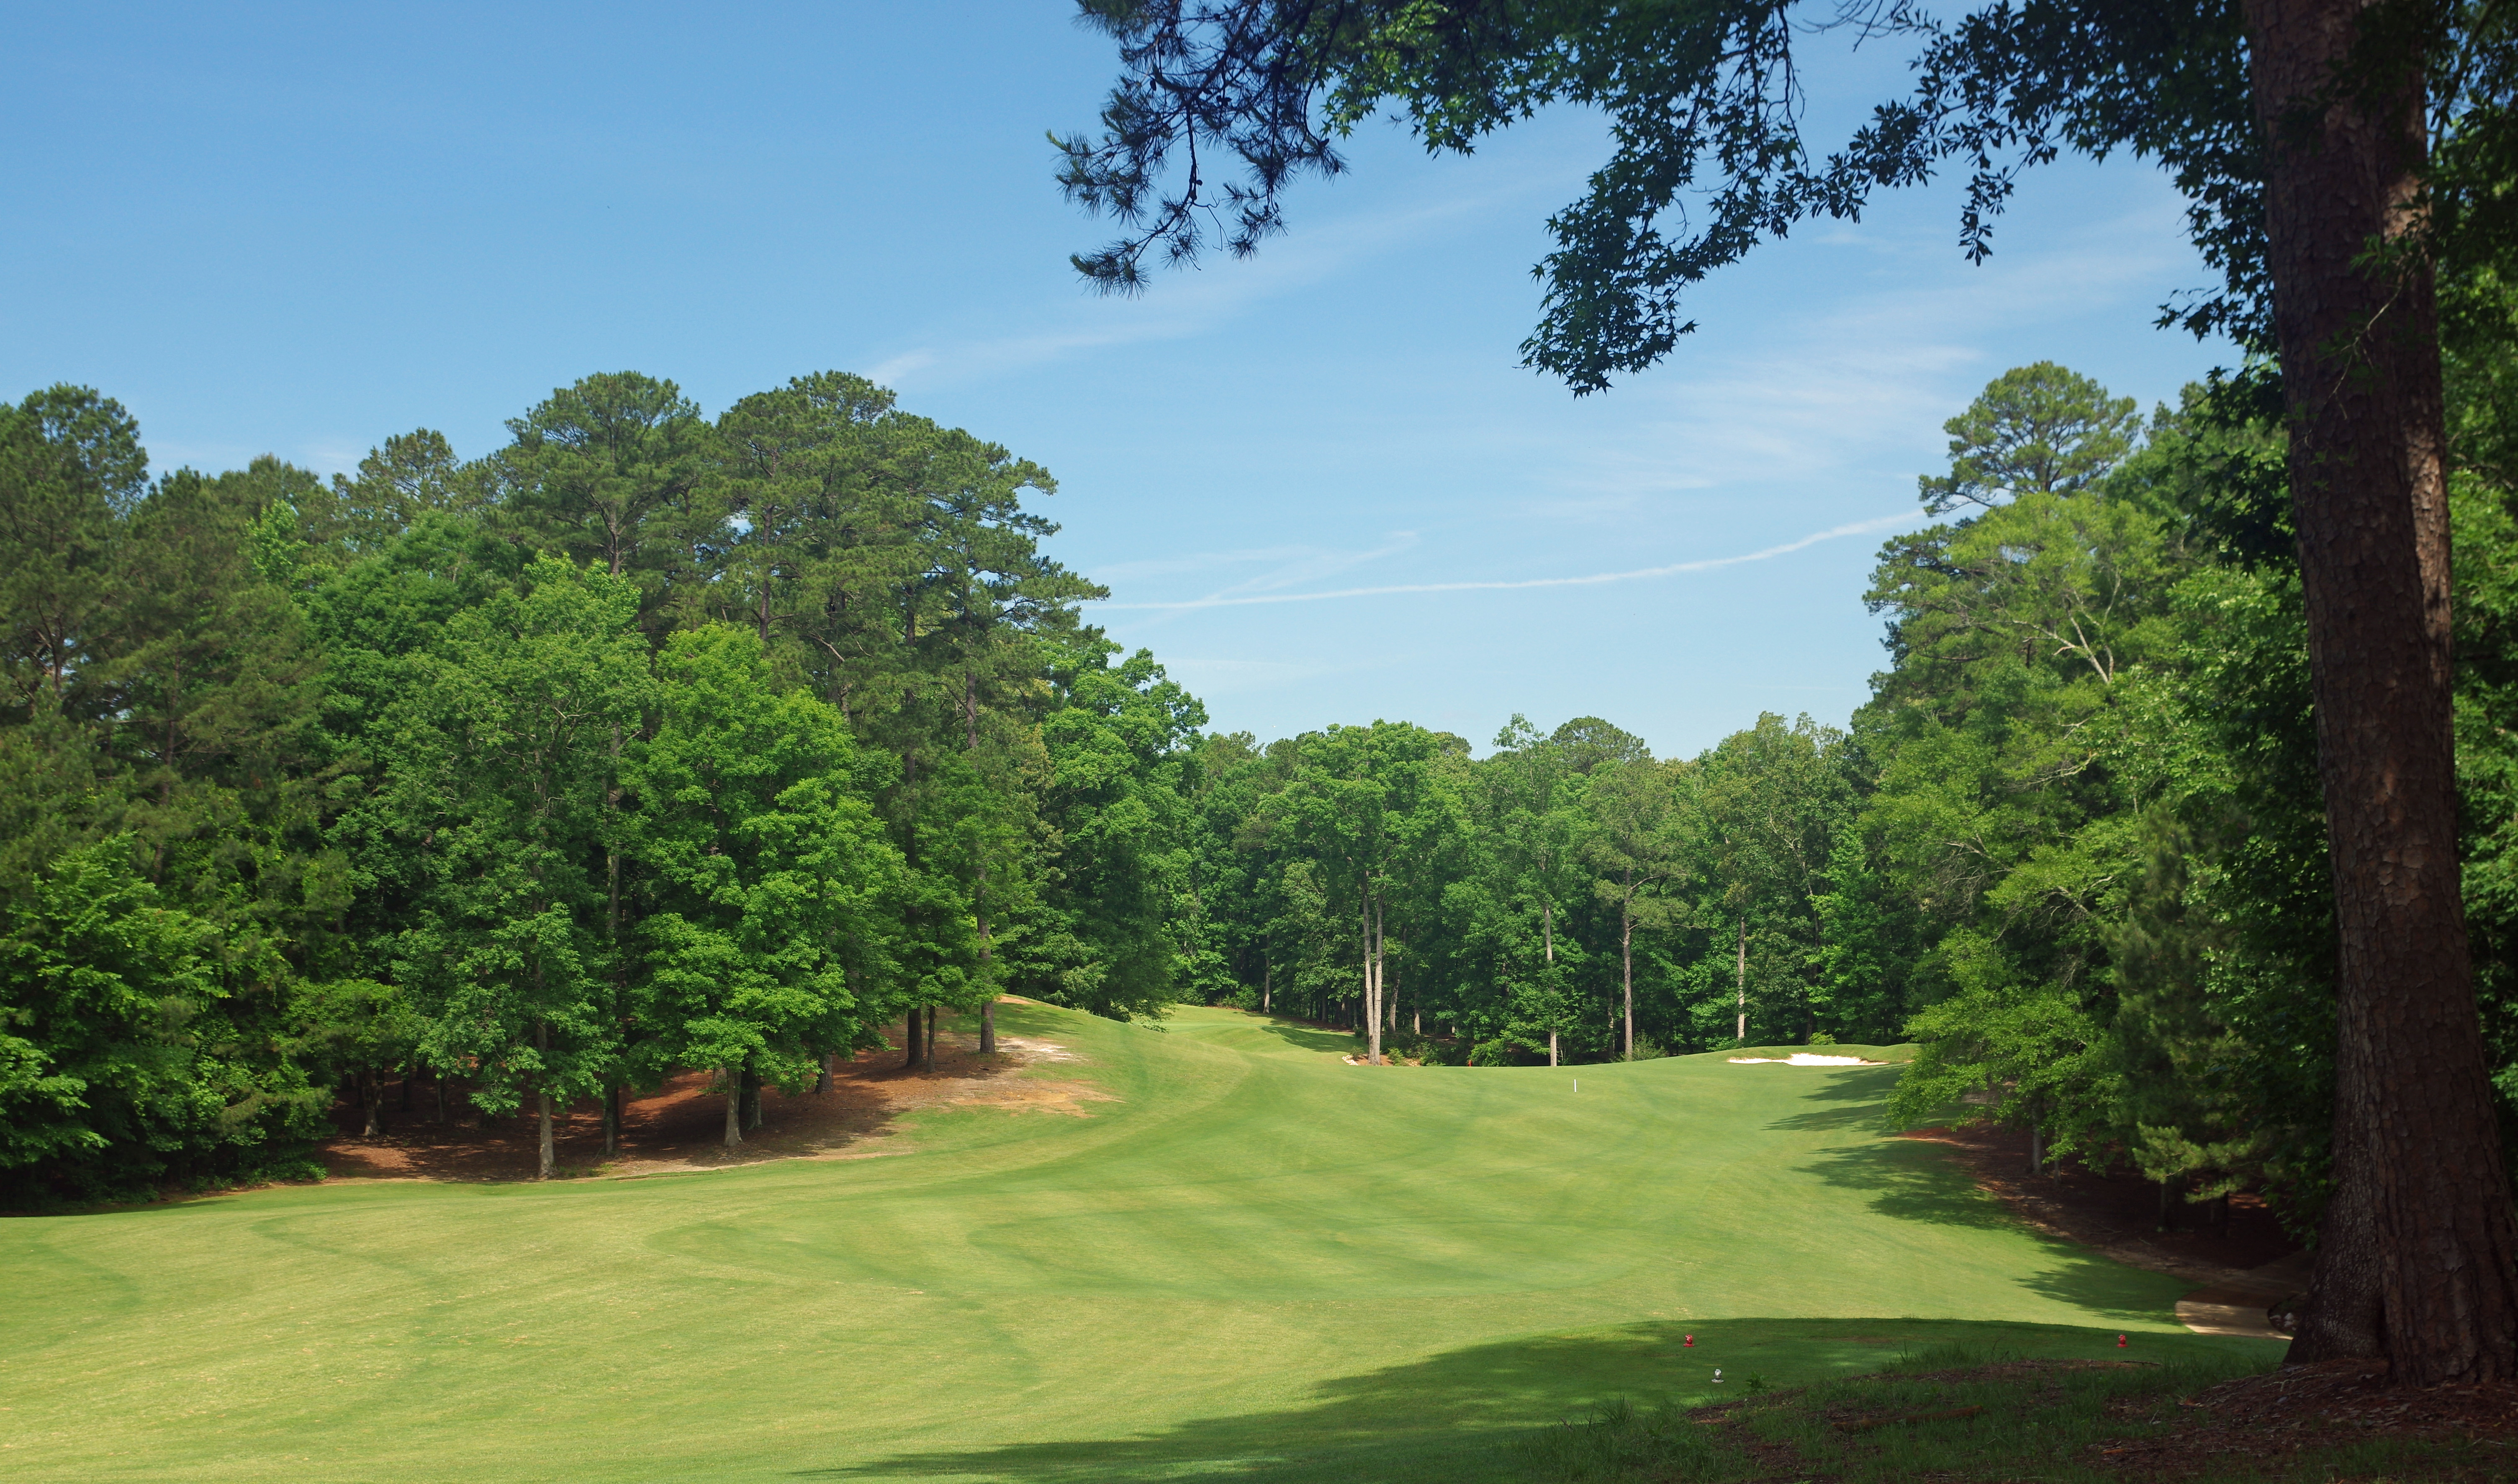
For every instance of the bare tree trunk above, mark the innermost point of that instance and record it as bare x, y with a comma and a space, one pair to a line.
1548, 943
1267, 988
927, 1048
611, 1120
441, 1097
734, 1108
751, 1098
2417, 1255
1741, 1034
909, 1039
373, 1098
1627, 959
1372, 977
830, 1065
542, 1099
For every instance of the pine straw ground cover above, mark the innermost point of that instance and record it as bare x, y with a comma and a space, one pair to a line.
1958, 1416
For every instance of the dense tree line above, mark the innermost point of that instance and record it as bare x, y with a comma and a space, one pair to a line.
2072, 846
648, 742
651, 743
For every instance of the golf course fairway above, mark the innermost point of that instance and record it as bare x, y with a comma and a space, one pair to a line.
1257, 1261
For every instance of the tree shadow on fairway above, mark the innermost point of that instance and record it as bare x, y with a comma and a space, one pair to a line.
1860, 1096
1908, 1179
1311, 1038
1446, 1417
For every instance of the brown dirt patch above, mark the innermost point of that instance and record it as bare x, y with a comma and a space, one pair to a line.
2263, 1419
681, 1125
2117, 1214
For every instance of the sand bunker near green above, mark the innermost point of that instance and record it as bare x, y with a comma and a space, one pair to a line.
1254, 1260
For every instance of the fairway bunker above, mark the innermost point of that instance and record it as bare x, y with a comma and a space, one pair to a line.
1805, 1059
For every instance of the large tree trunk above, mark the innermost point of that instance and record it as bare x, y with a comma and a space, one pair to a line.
734, 1108
2416, 1256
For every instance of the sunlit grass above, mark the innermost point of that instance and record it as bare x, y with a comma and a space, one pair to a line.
1258, 1259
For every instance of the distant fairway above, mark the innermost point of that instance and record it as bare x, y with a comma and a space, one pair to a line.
1259, 1260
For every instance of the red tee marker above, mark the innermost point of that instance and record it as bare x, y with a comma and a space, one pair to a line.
2120, 1342
1691, 1342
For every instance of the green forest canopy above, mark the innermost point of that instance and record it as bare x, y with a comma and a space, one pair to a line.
652, 743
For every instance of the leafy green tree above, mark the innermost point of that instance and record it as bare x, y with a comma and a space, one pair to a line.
70, 464
1637, 846
611, 470
774, 889
1103, 936
1770, 805
2036, 429
400, 480
129, 1045
502, 761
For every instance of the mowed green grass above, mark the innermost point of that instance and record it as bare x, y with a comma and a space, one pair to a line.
1257, 1261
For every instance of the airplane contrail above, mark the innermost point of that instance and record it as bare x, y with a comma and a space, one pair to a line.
1706, 564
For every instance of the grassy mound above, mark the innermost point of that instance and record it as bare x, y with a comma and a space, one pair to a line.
1257, 1259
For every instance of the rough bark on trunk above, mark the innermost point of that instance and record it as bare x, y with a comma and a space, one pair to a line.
2418, 1256
734, 1107
988, 1027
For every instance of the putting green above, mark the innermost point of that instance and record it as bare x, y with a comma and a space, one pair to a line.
1258, 1260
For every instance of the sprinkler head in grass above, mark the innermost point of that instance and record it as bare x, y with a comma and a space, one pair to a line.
1717, 1375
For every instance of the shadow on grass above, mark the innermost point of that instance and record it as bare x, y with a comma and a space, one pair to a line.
1859, 1096
1448, 1417
1907, 1180
1311, 1037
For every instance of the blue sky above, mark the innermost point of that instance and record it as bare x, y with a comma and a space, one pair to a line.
1317, 484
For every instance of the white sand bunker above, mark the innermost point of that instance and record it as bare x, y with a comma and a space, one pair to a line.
1811, 1058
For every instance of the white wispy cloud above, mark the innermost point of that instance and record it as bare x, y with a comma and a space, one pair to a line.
1672, 569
